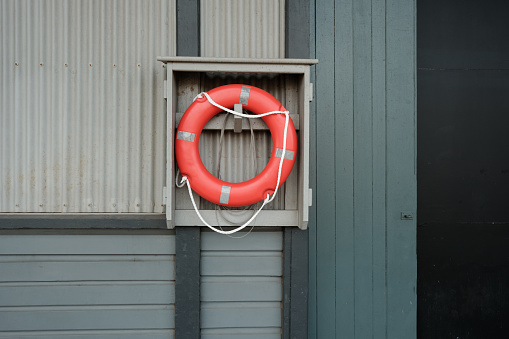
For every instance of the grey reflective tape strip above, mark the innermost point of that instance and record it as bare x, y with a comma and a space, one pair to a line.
288, 154
244, 95
225, 194
187, 136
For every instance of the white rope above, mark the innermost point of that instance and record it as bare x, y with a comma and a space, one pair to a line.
266, 201
220, 209
269, 198
177, 179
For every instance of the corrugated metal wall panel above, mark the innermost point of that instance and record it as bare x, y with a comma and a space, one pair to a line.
81, 108
112, 286
241, 285
250, 29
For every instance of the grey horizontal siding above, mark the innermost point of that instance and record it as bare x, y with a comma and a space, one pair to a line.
241, 285
255, 241
241, 333
81, 268
241, 314
86, 244
85, 317
104, 285
246, 288
87, 334
242, 264
97, 292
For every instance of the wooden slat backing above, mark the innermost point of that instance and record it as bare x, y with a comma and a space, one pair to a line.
241, 285
106, 285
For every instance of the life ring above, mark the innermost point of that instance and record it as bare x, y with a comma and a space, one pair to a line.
187, 152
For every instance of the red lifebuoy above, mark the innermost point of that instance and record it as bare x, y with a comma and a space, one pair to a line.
201, 180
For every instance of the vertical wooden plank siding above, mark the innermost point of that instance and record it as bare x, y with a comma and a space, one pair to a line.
401, 168
344, 157
325, 173
362, 255
363, 168
379, 169
312, 229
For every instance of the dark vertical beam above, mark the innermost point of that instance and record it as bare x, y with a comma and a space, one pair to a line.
299, 283
188, 27
296, 241
287, 270
187, 288
297, 40
295, 283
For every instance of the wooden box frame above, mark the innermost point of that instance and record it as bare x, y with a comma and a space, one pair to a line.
300, 68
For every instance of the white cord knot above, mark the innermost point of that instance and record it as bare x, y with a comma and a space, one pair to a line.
199, 96
184, 179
